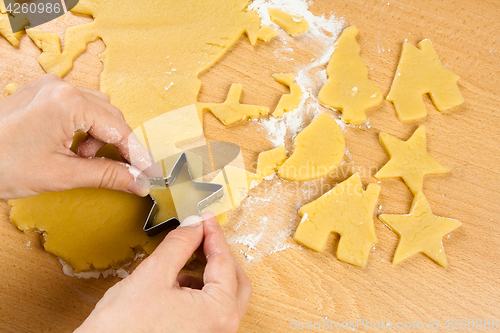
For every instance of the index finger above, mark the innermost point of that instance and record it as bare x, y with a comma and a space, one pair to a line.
107, 127
220, 271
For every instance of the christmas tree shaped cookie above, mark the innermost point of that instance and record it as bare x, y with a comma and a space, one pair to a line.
347, 210
420, 72
348, 87
420, 231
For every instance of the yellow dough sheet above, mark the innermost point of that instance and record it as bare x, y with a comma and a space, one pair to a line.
145, 77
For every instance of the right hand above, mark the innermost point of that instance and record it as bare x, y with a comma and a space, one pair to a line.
155, 299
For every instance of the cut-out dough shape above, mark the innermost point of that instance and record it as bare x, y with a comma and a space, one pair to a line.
318, 150
291, 24
347, 210
269, 161
420, 231
290, 101
145, 77
5, 27
231, 110
348, 87
409, 160
420, 72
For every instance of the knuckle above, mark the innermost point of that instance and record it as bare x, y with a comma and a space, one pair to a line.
230, 322
50, 78
117, 111
61, 92
111, 178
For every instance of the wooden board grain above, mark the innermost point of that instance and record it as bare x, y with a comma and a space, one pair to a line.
298, 283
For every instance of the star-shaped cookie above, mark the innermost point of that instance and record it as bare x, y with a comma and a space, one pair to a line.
420, 231
409, 160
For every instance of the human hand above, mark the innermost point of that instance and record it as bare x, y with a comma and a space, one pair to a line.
37, 124
155, 299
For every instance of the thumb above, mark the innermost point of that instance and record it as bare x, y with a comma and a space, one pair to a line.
105, 173
176, 249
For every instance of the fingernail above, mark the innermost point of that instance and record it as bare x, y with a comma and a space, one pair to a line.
154, 170
207, 215
140, 185
192, 221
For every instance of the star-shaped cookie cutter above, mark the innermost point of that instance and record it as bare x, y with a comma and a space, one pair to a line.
216, 189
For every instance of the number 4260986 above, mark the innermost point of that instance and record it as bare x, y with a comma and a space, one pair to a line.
33, 8
469, 324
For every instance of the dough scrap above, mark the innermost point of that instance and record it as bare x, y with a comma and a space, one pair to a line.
289, 101
266, 33
11, 88
269, 161
318, 150
348, 87
347, 210
420, 231
409, 160
145, 78
6, 29
420, 72
231, 110
52, 59
291, 24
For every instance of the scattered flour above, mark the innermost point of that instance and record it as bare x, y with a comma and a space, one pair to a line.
258, 234
320, 39
120, 272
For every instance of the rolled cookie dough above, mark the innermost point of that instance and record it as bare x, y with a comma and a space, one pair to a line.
145, 77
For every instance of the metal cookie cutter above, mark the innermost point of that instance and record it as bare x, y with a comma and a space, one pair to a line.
216, 189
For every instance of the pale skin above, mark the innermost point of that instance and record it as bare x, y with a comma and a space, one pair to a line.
37, 124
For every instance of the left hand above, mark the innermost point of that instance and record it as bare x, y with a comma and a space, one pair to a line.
37, 124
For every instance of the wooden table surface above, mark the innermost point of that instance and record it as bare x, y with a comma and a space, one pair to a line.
298, 283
